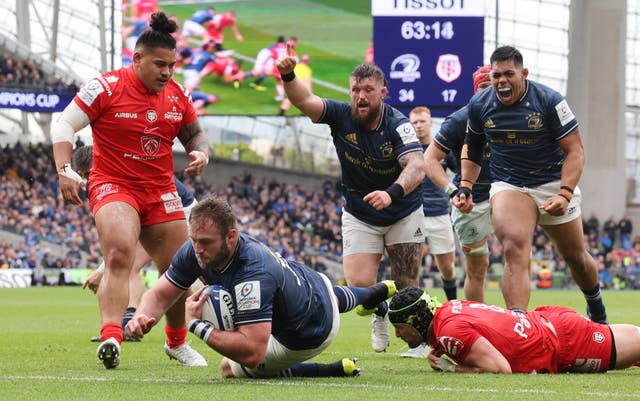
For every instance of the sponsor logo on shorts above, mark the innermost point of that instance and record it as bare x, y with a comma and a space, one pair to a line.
172, 202
418, 233
248, 296
107, 189
598, 337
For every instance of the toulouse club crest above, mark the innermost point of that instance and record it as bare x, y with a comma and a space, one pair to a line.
151, 116
150, 144
448, 68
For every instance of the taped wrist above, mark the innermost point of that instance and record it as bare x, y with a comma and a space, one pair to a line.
67, 171
464, 191
451, 189
395, 191
201, 329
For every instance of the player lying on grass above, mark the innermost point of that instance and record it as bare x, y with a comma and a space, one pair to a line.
486, 338
285, 313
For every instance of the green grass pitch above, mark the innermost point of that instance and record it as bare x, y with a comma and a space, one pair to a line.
45, 354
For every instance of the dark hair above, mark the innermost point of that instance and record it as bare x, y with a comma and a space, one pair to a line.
215, 210
412, 306
507, 53
159, 33
369, 71
82, 160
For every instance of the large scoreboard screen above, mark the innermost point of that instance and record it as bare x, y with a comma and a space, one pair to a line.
429, 50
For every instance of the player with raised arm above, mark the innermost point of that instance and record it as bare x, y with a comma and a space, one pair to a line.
135, 113
382, 169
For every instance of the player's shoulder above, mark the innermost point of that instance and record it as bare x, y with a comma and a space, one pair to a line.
175, 88
541, 93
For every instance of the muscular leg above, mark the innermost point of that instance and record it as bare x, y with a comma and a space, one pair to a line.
405, 262
118, 227
514, 217
361, 269
477, 264
569, 240
136, 286
162, 241
627, 340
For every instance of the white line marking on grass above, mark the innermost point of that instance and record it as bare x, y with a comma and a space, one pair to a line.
341, 384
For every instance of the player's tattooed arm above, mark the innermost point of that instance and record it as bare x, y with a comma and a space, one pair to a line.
412, 173
193, 138
405, 260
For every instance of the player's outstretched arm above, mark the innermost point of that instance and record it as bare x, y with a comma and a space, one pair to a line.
297, 91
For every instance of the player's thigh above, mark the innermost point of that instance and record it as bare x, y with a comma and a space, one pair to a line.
162, 240
567, 237
514, 216
473, 228
627, 342
118, 226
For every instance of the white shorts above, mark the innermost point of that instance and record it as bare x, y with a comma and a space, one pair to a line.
439, 233
475, 226
278, 357
360, 237
191, 78
539, 195
190, 28
187, 209
262, 60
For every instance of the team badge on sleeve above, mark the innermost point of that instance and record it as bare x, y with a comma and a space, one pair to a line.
565, 115
90, 92
407, 133
248, 296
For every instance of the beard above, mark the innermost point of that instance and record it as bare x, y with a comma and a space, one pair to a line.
364, 122
217, 262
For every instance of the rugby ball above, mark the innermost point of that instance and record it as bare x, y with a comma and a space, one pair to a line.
219, 308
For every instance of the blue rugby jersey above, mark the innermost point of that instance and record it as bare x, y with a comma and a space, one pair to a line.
265, 288
451, 138
523, 138
435, 202
369, 160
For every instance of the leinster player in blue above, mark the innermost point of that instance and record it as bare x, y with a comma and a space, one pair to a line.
381, 166
285, 312
536, 162
472, 228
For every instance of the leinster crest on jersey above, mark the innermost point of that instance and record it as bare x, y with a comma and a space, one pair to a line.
150, 144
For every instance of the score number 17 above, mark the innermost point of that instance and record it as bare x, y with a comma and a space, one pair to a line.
449, 95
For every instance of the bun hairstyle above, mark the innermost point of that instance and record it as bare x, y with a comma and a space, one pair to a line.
159, 33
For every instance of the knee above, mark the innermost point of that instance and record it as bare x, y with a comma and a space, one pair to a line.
118, 258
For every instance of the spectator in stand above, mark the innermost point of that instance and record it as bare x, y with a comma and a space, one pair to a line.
611, 227
593, 224
626, 228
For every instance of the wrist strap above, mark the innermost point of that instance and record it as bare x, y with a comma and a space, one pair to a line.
451, 189
288, 77
395, 191
200, 329
566, 197
567, 188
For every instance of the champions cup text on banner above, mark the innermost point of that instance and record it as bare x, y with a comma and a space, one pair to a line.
429, 50
47, 102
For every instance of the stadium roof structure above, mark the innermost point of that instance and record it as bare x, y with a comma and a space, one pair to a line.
71, 40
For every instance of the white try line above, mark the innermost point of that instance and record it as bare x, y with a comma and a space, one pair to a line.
338, 384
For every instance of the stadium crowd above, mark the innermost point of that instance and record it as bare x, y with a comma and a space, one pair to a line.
290, 219
16, 73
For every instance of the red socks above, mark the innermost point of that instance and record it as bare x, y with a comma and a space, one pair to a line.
111, 330
175, 336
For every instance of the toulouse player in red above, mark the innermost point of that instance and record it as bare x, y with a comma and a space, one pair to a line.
135, 113
486, 338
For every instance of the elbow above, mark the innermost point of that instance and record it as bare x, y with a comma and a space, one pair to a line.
252, 359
